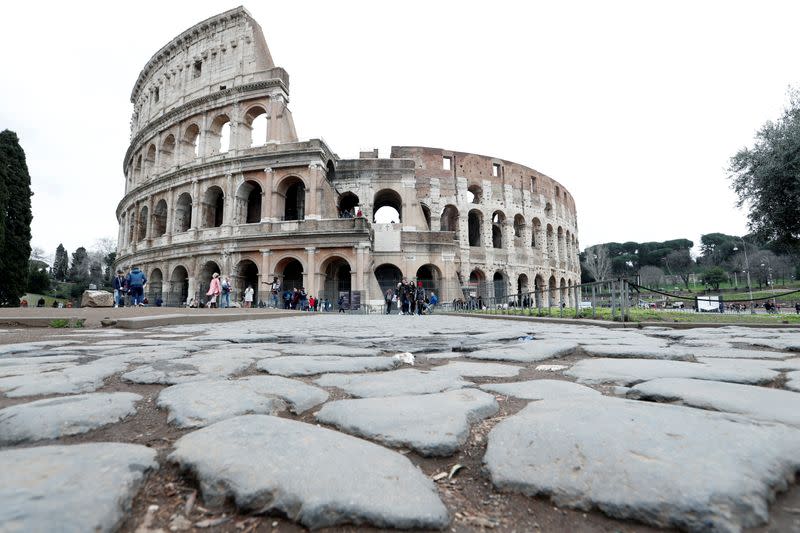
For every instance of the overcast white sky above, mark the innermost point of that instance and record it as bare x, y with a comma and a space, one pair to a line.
634, 106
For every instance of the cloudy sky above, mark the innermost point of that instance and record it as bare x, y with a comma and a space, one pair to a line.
635, 107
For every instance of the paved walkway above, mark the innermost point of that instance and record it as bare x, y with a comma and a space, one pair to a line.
323, 421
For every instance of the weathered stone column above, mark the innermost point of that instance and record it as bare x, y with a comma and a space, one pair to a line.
149, 222
170, 225
310, 281
313, 192
195, 205
360, 247
266, 196
265, 274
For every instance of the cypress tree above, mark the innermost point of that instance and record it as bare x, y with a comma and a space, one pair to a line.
15, 204
60, 264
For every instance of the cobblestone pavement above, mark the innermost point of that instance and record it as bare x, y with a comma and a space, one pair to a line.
348, 423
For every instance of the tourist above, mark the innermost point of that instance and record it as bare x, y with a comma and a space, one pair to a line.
119, 289
40, 302
432, 301
295, 299
359, 213
303, 299
225, 300
388, 298
135, 281
797, 308
340, 303
311, 303
248, 297
214, 290
419, 298
275, 290
23, 303
287, 298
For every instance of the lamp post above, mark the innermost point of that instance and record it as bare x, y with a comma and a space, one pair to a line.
749, 286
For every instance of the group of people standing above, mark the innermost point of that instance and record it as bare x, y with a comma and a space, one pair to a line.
131, 285
411, 299
219, 293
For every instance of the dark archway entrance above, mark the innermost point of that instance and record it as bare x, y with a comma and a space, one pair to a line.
337, 279
388, 276
179, 287
295, 205
246, 274
431, 278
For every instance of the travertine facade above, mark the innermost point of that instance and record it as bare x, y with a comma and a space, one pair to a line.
210, 189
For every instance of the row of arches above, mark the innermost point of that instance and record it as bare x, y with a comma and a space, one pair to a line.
183, 144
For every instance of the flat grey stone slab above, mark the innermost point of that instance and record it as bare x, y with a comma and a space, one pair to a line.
196, 367
430, 424
32, 348
312, 475
310, 365
66, 415
81, 378
665, 465
475, 370
527, 352
781, 365
200, 403
762, 403
542, 389
739, 353
642, 351
395, 383
327, 349
82, 487
793, 381
632, 371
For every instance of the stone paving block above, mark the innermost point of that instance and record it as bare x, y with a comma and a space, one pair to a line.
393, 383
430, 424
64, 415
81, 378
335, 350
664, 465
526, 352
641, 351
632, 371
200, 403
793, 381
81, 487
774, 405
541, 389
312, 475
299, 365
197, 367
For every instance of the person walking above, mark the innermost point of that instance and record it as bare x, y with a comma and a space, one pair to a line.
340, 303
248, 297
432, 301
214, 290
275, 290
135, 281
120, 288
225, 300
419, 297
388, 299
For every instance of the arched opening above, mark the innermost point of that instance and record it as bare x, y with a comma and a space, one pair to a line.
290, 274
431, 278
475, 219
474, 194
337, 278
561, 248
179, 287
204, 279
160, 218
388, 276
191, 143
387, 206
519, 229
168, 151
132, 228
246, 276
426, 212
536, 229
183, 212
500, 291
538, 283
256, 121
293, 191
330, 171
218, 140
150, 160
562, 293
213, 207
552, 291
248, 203
137, 169
154, 286
551, 245
348, 203
477, 285
449, 220
498, 220
523, 298
141, 230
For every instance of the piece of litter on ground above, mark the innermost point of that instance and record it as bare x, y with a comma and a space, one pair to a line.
439, 476
454, 470
405, 357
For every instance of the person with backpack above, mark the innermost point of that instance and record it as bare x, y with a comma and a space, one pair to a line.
432, 301
419, 298
225, 296
135, 281
120, 289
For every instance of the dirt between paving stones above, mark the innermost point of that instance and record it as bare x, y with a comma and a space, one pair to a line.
168, 495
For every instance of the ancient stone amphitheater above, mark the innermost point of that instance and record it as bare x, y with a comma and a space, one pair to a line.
216, 180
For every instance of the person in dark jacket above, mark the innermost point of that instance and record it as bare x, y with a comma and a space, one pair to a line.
136, 281
120, 288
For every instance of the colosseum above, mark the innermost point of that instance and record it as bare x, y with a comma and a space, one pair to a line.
216, 180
